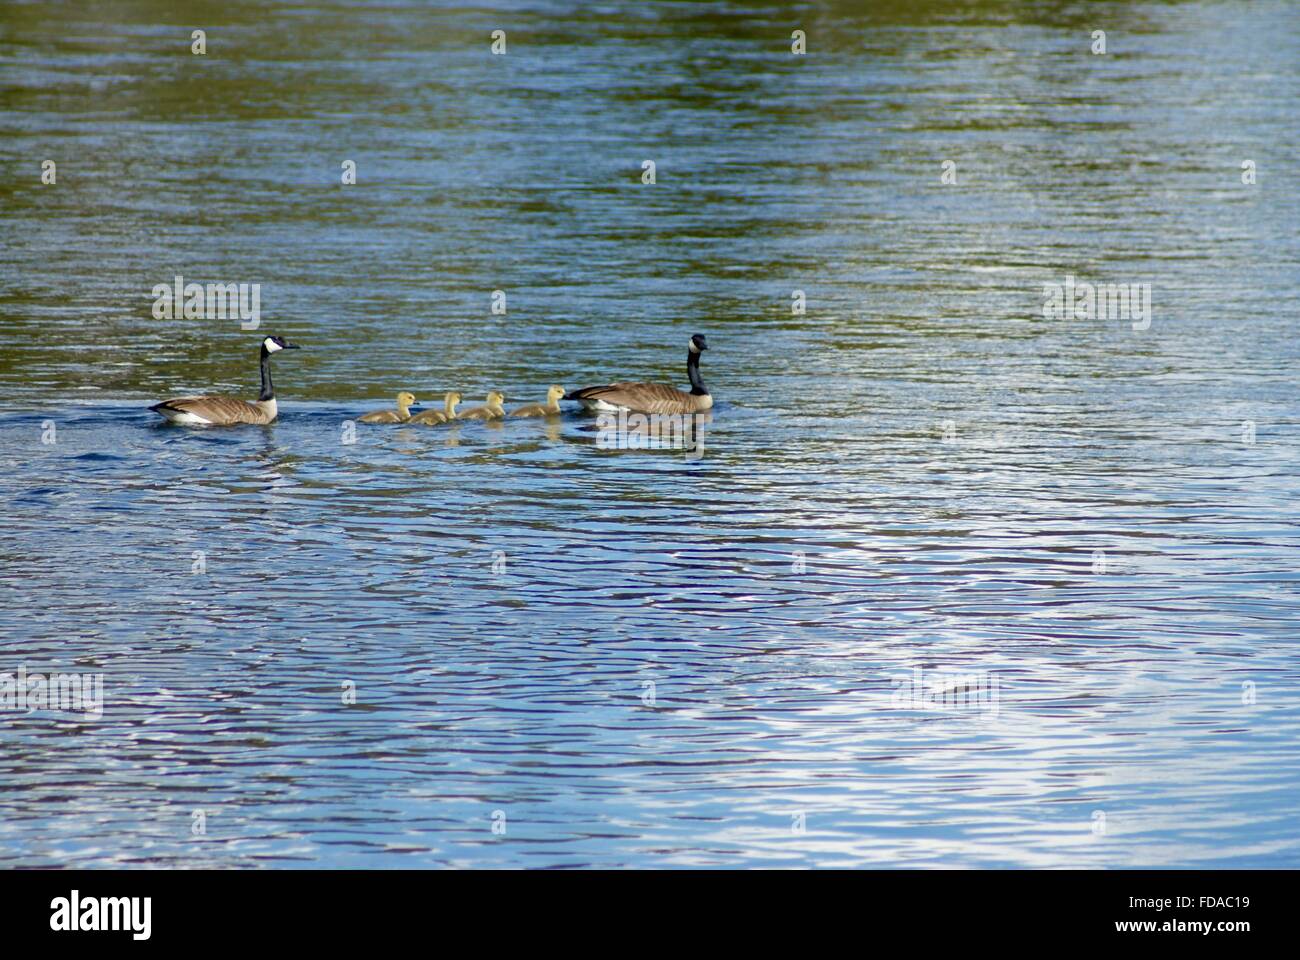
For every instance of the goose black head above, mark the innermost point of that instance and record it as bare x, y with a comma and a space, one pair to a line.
272, 344
698, 343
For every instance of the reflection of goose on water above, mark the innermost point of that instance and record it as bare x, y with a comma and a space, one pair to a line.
652, 397
224, 411
628, 430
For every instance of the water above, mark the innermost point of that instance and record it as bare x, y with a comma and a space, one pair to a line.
639, 657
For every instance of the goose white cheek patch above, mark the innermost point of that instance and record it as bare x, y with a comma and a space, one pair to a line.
271, 345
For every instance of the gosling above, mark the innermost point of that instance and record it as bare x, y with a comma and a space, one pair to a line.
548, 409
492, 410
445, 415
400, 415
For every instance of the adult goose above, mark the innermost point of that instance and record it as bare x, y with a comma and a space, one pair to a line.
224, 411
652, 397
405, 401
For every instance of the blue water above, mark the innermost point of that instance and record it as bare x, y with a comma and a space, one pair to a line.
562, 654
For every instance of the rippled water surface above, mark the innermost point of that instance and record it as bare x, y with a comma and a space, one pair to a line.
629, 657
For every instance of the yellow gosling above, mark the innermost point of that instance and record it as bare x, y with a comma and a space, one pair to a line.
548, 409
492, 410
445, 415
400, 415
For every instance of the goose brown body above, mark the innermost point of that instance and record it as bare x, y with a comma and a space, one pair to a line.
643, 398
217, 411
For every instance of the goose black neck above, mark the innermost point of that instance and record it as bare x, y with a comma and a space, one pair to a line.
693, 371
268, 391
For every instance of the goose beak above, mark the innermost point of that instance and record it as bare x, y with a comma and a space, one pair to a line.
291, 346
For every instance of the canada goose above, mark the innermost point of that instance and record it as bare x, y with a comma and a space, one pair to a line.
652, 397
492, 410
400, 415
223, 411
548, 409
445, 415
